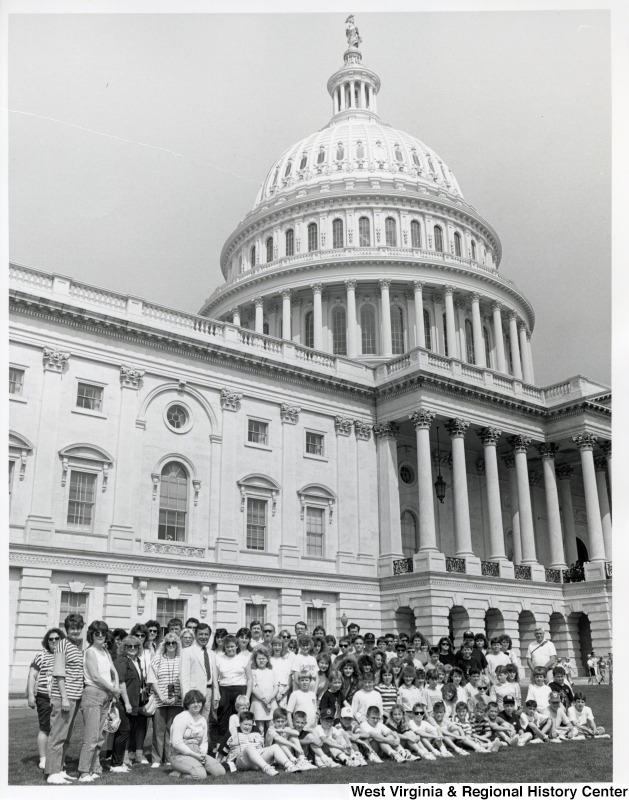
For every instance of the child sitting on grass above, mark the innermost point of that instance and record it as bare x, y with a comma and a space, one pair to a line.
469, 739
451, 733
500, 729
582, 718
561, 727
430, 736
482, 729
399, 724
334, 744
359, 741
536, 723
288, 739
381, 738
511, 716
247, 751
311, 744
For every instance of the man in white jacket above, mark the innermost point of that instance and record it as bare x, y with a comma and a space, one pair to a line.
198, 669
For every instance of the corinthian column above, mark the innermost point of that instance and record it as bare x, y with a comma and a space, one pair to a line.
520, 445
422, 420
385, 308
489, 437
462, 530
235, 312
500, 341
477, 331
600, 468
420, 333
585, 442
259, 323
547, 452
606, 447
509, 461
388, 492
450, 327
515, 348
317, 319
352, 337
286, 312
564, 472
524, 351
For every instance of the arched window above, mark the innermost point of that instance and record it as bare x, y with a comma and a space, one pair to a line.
288, 169
390, 233
309, 329
337, 233
416, 160
269, 249
304, 161
368, 330
409, 534
290, 242
252, 256
173, 503
416, 234
364, 232
397, 330
427, 331
445, 335
457, 244
473, 247
487, 347
339, 332
438, 239
313, 237
469, 342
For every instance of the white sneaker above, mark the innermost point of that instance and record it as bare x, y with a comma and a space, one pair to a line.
290, 767
42, 762
57, 778
121, 768
155, 765
269, 770
86, 778
67, 777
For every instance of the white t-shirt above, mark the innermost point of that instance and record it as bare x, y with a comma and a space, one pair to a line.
540, 694
379, 728
540, 654
362, 700
305, 663
306, 702
493, 661
580, 717
231, 671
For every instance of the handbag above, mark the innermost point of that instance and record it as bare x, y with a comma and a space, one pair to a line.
112, 720
148, 709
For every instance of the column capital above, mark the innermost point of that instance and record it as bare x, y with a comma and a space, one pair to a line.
230, 401
489, 436
448, 290
476, 297
350, 285
418, 285
285, 294
384, 283
289, 414
522, 326
234, 310
386, 430
422, 418
520, 443
258, 302
317, 287
513, 314
54, 360
564, 472
130, 377
457, 427
547, 450
585, 441
362, 429
343, 425
496, 305
600, 464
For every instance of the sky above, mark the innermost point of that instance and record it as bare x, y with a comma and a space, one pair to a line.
139, 141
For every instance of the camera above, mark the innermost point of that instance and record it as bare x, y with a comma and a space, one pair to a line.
171, 690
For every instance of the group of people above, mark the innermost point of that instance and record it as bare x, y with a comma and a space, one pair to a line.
257, 700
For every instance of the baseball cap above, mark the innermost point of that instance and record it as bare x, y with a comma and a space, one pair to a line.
346, 712
327, 713
369, 637
509, 698
554, 697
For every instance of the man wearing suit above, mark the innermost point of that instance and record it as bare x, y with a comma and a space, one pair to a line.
198, 669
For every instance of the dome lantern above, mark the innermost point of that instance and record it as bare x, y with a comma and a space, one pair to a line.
354, 88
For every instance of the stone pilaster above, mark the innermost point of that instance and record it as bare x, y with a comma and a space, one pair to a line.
388, 497
118, 609
227, 606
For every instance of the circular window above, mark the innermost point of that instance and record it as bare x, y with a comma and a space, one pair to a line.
177, 417
407, 474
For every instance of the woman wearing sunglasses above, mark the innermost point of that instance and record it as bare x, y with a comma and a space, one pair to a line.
101, 686
153, 631
38, 687
164, 678
132, 728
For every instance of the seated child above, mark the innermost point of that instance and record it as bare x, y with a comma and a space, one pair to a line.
387, 690
381, 738
288, 739
582, 718
311, 744
303, 699
451, 733
559, 685
399, 725
430, 736
358, 740
247, 751
366, 697
469, 739
500, 729
334, 744
561, 727
471, 688
450, 699
481, 727
408, 693
241, 703
511, 716
331, 698
536, 723
539, 690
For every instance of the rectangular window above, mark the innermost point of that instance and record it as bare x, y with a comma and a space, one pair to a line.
314, 443
81, 502
256, 523
314, 531
72, 603
16, 381
257, 432
314, 617
252, 612
168, 609
90, 397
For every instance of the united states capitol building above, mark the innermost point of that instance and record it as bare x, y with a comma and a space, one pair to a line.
350, 426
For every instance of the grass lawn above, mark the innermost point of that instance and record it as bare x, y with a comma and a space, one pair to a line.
583, 761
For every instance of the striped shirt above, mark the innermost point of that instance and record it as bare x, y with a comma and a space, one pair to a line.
389, 697
481, 727
165, 672
68, 664
237, 744
43, 662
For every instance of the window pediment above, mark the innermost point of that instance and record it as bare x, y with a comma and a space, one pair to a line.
316, 494
260, 485
85, 455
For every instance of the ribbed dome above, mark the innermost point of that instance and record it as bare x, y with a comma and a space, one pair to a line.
356, 146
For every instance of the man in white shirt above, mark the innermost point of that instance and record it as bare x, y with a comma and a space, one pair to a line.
541, 652
198, 669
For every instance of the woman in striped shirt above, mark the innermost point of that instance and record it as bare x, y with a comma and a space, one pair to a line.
164, 678
38, 688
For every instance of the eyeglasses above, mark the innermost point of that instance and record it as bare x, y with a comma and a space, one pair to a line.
344, 644
420, 713
141, 635
152, 630
100, 634
171, 644
267, 631
53, 638
131, 646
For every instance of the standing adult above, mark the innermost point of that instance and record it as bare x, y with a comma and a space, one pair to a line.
133, 691
153, 630
198, 670
268, 634
232, 680
255, 629
38, 688
192, 623
300, 629
65, 698
164, 678
353, 629
145, 656
101, 688
541, 652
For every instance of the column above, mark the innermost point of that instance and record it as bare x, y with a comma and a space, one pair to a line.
352, 99
286, 312
600, 468
509, 461
526, 371
499, 338
529, 356
422, 419
489, 437
564, 472
585, 442
352, 332
296, 328
385, 310
557, 558
235, 312
606, 447
477, 330
388, 496
32, 620
342, 96
520, 445
462, 530
118, 607
374, 101
420, 333
363, 103
317, 315
460, 306
259, 323
450, 327
515, 348
227, 606
290, 609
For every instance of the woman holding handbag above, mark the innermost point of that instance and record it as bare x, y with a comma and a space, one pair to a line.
164, 677
147, 701
134, 693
